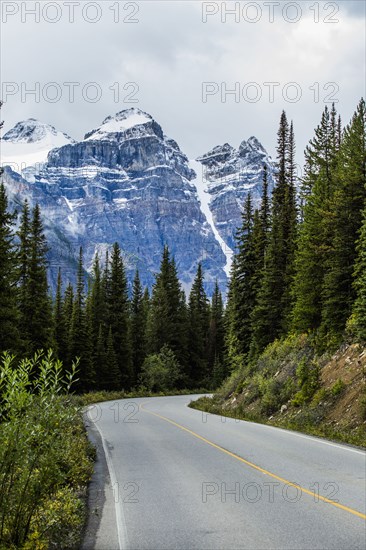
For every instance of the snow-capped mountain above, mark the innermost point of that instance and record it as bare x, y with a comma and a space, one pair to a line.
29, 142
227, 176
126, 181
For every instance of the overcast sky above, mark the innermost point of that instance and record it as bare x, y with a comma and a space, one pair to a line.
176, 60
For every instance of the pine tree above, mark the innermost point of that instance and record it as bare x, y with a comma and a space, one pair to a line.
80, 338
111, 371
242, 290
271, 312
9, 335
198, 314
23, 276
97, 299
359, 308
216, 337
346, 217
167, 322
118, 315
59, 325
35, 302
99, 358
67, 307
139, 314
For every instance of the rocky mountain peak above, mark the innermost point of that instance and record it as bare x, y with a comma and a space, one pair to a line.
120, 123
33, 131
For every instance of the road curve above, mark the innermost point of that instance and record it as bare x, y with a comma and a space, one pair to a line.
170, 477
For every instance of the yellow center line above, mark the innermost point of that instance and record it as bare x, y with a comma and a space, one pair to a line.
262, 470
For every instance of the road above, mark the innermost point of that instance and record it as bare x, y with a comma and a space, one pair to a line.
171, 477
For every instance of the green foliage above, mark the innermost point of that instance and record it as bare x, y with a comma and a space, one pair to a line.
274, 300
118, 315
337, 387
199, 319
160, 371
44, 454
9, 334
308, 375
359, 307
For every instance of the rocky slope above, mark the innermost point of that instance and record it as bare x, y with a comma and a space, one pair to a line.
228, 175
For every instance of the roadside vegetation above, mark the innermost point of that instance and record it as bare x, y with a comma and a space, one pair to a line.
45, 458
291, 386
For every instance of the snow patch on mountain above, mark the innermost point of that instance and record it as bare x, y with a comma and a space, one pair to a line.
122, 121
201, 185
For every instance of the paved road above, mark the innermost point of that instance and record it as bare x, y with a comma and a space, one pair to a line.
170, 477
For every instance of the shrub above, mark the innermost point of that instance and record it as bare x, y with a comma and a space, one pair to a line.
337, 387
160, 371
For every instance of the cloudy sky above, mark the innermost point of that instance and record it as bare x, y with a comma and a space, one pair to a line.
179, 60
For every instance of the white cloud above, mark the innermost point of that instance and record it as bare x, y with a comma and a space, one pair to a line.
170, 52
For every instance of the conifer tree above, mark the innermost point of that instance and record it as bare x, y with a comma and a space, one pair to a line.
23, 277
97, 298
198, 314
315, 232
118, 314
80, 338
111, 371
139, 314
346, 218
167, 314
9, 335
359, 307
242, 291
99, 358
59, 324
216, 337
36, 309
270, 314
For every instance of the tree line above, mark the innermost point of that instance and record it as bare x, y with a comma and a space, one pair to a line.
299, 266
122, 341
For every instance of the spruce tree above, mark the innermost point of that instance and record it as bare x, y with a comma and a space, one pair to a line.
118, 315
67, 307
270, 315
167, 321
242, 290
359, 307
9, 335
346, 218
198, 314
59, 324
216, 338
35, 302
111, 372
80, 337
315, 232
139, 314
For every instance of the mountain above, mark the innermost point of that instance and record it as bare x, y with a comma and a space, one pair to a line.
126, 181
227, 176
28, 144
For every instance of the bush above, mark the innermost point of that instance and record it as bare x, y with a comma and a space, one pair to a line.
44, 455
337, 387
308, 374
160, 372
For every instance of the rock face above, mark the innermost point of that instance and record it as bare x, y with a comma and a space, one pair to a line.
228, 175
128, 182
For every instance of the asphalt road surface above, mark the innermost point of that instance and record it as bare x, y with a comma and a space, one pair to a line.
170, 477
